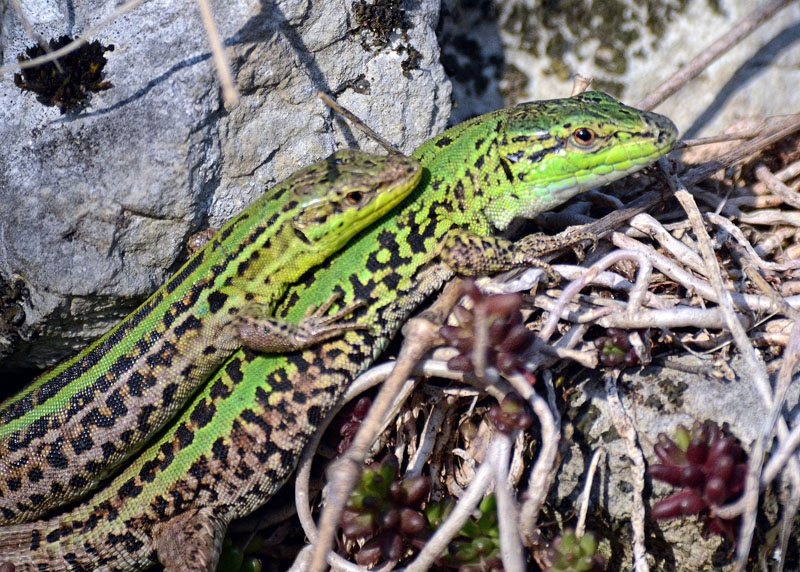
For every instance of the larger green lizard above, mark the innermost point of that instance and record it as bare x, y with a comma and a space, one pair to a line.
74, 424
239, 439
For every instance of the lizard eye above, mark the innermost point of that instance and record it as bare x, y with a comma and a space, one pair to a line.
583, 136
354, 198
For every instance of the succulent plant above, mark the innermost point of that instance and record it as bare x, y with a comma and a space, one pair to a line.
476, 548
384, 511
568, 553
711, 468
614, 349
508, 336
234, 559
511, 414
349, 421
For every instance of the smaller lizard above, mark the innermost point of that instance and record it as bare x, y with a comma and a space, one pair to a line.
73, 425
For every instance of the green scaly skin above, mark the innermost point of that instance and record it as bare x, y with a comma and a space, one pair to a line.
239, 439
73, 425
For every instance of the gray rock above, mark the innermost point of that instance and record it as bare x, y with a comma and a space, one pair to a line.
97, 203
628, 48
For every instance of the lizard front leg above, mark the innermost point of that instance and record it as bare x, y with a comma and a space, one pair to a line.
471, 254
258, 330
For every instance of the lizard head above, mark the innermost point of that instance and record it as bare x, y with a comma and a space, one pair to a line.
346, 192
549, 151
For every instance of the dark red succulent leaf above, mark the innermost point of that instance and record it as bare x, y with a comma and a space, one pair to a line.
389, 518
691, 476
670, 474
517, 337
412, 521
460, 363
679, 504
391, 544
723, 468
723, 527
720, 448
668, 451
383, 511
716, 491
697, 451
415, 490
370, 553
736, 482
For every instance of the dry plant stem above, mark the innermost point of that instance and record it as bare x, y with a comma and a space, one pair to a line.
461, 513
624, 427
420, 334
777, 187
540, 355
610, 280
302, 560
736, 233
790, 508
651, 227
788, 447
481, 344
365, 381
433, 424
678, 317
748, 266
572, 290
755, 366
743, 302
786, 126
580, 84
547, 380
789, 172
721, 138
588, 360
511, 551
754, 371
518, 461
229, 92
722, 45
771, 217
543, 470
636, 295
586, 494
73, 45
356, 121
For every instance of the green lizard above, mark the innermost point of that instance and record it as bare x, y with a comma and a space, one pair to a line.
239, 438
74, 424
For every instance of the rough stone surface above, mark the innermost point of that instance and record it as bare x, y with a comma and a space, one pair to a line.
523, 50
97, 203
